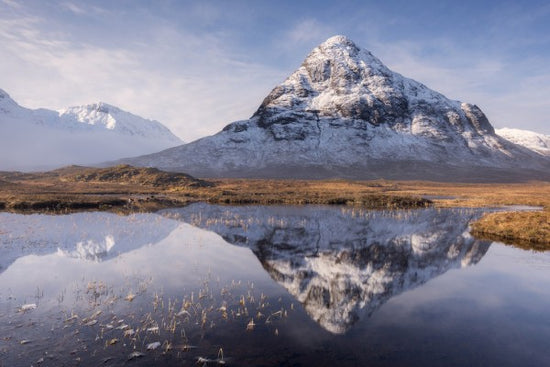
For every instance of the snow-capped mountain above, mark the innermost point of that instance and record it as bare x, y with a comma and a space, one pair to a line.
342, 265
539, 143
43, 139
344, 113
104, 116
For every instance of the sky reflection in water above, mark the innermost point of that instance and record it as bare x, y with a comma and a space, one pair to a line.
335, 285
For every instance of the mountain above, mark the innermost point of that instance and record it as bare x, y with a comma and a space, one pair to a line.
44, 139
539, 143
343, 265
343, 113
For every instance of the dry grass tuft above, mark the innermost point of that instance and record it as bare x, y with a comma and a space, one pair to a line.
530, 230
128, 175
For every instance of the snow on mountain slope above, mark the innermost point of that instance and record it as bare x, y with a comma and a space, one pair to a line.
44, 139
109, 117
344, 113
539, 143
343, 264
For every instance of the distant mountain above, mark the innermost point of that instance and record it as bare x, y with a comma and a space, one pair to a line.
343, 113
44, 139
540, 143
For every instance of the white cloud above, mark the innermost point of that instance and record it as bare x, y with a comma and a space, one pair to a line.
76, 9
304, 35
306, 31
190, 83
83, 8
11, 3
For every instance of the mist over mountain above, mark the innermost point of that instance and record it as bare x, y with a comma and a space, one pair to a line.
343, 113
44, 139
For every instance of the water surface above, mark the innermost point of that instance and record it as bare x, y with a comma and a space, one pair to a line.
268, 286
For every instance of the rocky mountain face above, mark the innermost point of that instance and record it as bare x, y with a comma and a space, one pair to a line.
539, 143
343, 264
45, 139
343, 113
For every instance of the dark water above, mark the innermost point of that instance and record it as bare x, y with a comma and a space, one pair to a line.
268, 286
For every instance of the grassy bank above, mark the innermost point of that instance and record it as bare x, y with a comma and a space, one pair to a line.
143, 189
529, 230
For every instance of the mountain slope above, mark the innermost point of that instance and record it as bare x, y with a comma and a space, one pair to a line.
539, 143
43, 139
343, 113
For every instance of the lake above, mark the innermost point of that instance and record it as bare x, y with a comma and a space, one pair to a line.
268, 286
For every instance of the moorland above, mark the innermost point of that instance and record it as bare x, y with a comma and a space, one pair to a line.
125, 189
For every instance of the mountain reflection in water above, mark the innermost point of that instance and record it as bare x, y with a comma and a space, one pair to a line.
344, 264
92, 236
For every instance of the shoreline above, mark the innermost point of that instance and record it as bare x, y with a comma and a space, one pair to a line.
126, 189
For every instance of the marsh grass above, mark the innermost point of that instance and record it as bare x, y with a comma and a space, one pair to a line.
96, 323
143, 189
528, 230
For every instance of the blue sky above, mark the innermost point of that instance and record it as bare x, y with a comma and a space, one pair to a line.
198, 65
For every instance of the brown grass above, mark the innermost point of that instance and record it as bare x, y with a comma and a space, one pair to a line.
128, 175
76, 187
299, 192
524, 229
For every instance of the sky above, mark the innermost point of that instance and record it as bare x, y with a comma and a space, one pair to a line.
196, 66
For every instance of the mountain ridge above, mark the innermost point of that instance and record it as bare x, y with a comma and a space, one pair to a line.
45, 139
343, 113
537, 142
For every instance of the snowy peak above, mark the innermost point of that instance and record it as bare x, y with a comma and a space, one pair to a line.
3, 95
339, 41
94, 114
539, 143
335, 69
106, 116
7, 104
340, 80
341, 61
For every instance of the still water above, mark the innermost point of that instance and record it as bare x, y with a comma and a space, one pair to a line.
268, 286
